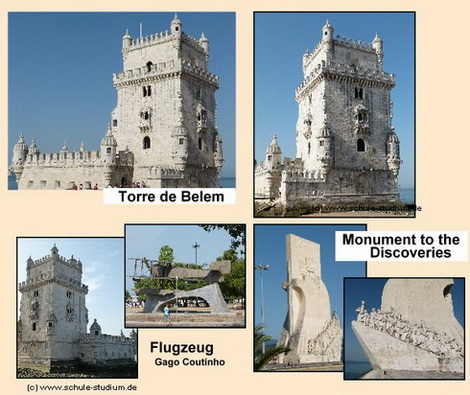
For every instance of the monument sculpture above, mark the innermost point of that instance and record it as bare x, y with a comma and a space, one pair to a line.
52, 328
158, 298
347, 149
414, 330
162, 132
310, 330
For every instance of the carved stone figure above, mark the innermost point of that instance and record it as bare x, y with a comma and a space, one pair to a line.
310, 330
415, 330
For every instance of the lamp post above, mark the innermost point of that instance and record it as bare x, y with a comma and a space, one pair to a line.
196, 246
262, 268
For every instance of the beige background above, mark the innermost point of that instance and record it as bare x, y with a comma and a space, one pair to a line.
442, 190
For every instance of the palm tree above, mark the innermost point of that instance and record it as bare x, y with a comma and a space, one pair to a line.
262, 359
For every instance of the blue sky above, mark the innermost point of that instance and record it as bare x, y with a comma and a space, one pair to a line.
270, 249
103, 273
281, 39
61, 66
370, 290
146, 241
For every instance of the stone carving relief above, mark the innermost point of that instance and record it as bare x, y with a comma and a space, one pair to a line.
417, 334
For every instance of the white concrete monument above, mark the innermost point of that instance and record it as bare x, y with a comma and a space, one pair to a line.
415, 329
310, 330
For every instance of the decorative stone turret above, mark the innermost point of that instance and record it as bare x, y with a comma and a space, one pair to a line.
20, 150
126, 41
273, 155
176, 26
326, 150
393, 153
218, 153
328, 31
377, 44
33, 148
95, 328
108, 147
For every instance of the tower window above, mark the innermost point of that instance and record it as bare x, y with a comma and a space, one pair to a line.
34, 327
358, 93
144, 91
181, 141
149, 66
322, 143
199, 142
361, 145
149, 90
146, 143
308, 149
114, 122
108, 150
36, 293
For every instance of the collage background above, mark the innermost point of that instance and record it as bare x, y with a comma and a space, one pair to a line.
441, 189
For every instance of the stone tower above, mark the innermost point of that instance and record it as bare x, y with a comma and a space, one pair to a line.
347, 151
53, 315
310, 330
166, 111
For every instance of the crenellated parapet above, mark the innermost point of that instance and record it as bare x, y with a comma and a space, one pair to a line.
194, 43
165, 172
201, 74
344, 71
106, 339
150, 40
148, 73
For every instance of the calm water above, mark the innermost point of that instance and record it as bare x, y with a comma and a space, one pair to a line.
354, 369
228, 182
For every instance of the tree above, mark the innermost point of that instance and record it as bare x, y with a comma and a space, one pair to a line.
262, 359
233, 286
166, 256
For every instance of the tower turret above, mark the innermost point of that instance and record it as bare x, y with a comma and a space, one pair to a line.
176, 26
327, 31
108, 147
33, 148
325, 151
205, 45
126, 41
54, 253
273, 155
180, 135
218, 153
20, 150
95, 328
377, 44
393, 153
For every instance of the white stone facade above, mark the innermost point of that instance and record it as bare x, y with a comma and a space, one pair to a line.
310, 330
162, 132
52, 329
347, 150
414, 330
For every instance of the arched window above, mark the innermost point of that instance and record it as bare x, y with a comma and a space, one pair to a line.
108, 150
361, 145
149, 66
146, 142
144, 91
